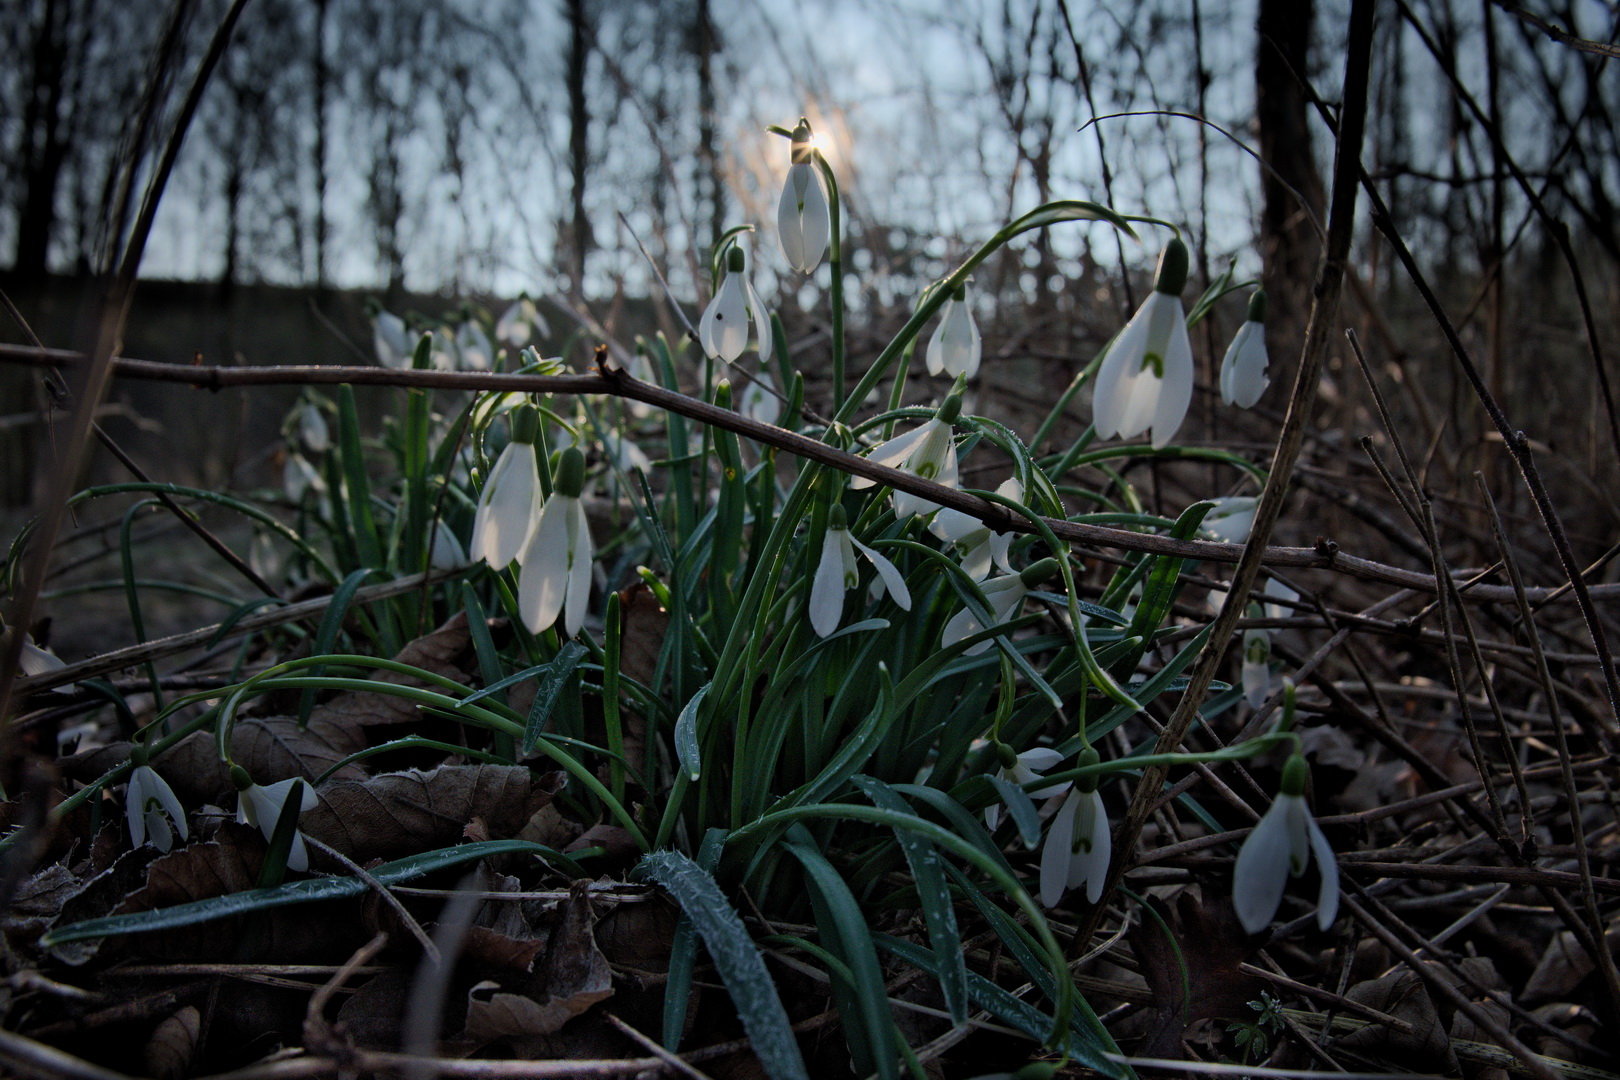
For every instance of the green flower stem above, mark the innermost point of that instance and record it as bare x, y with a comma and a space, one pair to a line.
835, 262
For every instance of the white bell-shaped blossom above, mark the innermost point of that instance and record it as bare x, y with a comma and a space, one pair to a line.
723, 330
34, 660
150, 805
1243, 368
802, 221
1256, 676
1026, 768
955, 347
837, 572
520, 322
758, 400
511, 499
298, 477
928, 451
390, 340
442, 353
556, 575
446, 553
1278, 848
1078, 844
473, 347
975, 544
1231, 520
1146, 379
1006, 596
312, 429
261, 808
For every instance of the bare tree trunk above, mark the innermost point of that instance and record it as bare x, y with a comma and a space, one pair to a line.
580, 239
44, 143
710, 184
321, 108
1288, 242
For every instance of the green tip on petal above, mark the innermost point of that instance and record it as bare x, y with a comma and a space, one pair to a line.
1173, 265
734, 260
802, 147
837, 518
1038, 573
1294, 775
1257, 306
951, 409
1006, 755
525, 424
722, 394
571, 473
240, 780
1088, 757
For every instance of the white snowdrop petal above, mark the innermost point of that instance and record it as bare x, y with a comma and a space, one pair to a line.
543, 583
827, 590
1327, 897
886, 570
1057, 851
579, 565
891, 453
1261, 870
1175, 389
507, 507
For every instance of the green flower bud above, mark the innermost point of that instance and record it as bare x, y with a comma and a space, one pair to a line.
1173, 265
1006, 755
837, 518
959, 294
734, 260
525, 424
1257, 306
240, 780
1294, 775
951, 409
1088, 757
722, 394
803, 149
570, 473
1039, 573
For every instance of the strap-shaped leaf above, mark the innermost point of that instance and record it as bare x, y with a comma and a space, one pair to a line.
687, 751
549, 691
735, 956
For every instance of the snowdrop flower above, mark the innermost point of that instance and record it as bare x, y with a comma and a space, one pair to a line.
511, 497
1078, 845
927, 451
802, 222
1006, 595
446, 552
1146, 380
837, 573
298, 477
442, 352
972, 538
33, 660
1021, 769
389, 340
758, 400
261, 808
1278, 848
1231, 520
519, 323
1243, 369
1257, 645
473, 346
556, 573
624, 453
312, 429
150, 805
723, 330
954, 349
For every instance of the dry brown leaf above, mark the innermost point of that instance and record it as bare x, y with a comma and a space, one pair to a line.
1562, 967
619, 848
400, 814
500, 950
446, 651
173, 1045
370, 1017
1213, 946
1403, 995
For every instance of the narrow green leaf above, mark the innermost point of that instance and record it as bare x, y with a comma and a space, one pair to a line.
683, 950
1022, 808
686, 735
274, 868
549, 692
326, 634
735, 956
367, 544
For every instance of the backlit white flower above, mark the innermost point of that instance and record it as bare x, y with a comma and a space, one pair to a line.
312, 429
955, 347
1026, 768
1006, 595
1146, 379
556, 575
519, 323
442, 353
1231, 520
298, 476
758, 400
390, 341
975, 544
261, 808
150, 805
802, 221
34, 660
1078, 845
1278, 848
837, 572
723, 330
928, 451
511, 497
473, 346
1257, 677
1243, 368
446, 552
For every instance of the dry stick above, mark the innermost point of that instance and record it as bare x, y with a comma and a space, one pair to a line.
616, 382
1329, 278
1558, 34
386, 895
1605, 959
316, 1030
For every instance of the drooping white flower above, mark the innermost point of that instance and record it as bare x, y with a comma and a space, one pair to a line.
1078, 844
261, 808
1257, 676
1243, 368
446, 552
34, 660
977, 546
1279, 847
955, 347
1006, 596
1231, 519
927, 451
837, 572
624, 453
511, 497
758, 400
556, 575
1026, 768
723, 330
1146, 379
298, 477
442, 353
312, 429
473, 347
390, 341
150, 805
520, 322
802, 221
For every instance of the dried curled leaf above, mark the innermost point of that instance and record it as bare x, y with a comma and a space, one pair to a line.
172, 1046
